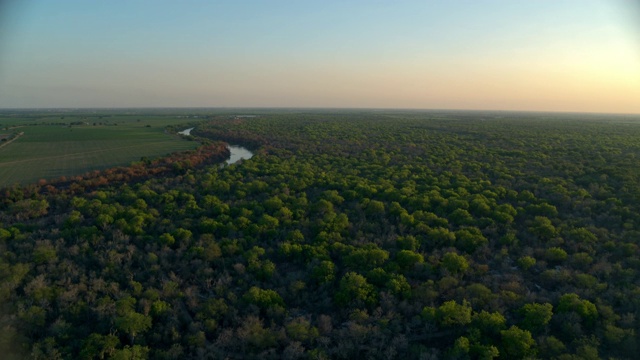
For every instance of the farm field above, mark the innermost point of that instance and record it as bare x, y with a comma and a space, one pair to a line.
51, 148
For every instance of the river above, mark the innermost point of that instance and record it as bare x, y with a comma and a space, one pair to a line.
237, 152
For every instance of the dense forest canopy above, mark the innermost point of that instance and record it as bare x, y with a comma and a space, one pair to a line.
347, 235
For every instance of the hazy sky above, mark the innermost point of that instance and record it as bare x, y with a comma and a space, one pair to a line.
557, 55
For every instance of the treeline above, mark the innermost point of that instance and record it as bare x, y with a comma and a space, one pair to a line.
346, 236
174, 164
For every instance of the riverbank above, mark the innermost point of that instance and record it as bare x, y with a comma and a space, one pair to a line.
238, 153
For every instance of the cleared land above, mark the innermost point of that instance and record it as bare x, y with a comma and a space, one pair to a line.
48, 149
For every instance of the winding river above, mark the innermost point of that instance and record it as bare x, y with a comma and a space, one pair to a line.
237, 152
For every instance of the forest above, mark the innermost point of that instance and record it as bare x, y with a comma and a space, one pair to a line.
349, 235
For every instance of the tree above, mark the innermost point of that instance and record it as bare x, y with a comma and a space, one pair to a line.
584, 308
454, 263
408, 258
375, 208
97, 345
300, 329
398, 285
526, 262
440, 236
366, 258
159, 308
133, 323
516, 343
28, 208
44, 253
4, 234
460, 348
408, 242
543, 228
452, 314
354, 289
34, 317
263, 298
324, 272
461, 217
469, 239
489, 324
135, 352
555, 255
167, 239
253, 334
536, 316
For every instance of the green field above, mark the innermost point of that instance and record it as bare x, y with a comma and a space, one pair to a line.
51, 148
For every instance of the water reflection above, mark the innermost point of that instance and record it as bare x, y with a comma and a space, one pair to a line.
238, 153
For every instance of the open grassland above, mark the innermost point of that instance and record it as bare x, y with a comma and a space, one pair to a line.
51, 148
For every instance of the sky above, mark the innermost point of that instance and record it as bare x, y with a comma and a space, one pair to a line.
530, 55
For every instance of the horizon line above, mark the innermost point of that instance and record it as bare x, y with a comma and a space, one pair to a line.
315, 108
